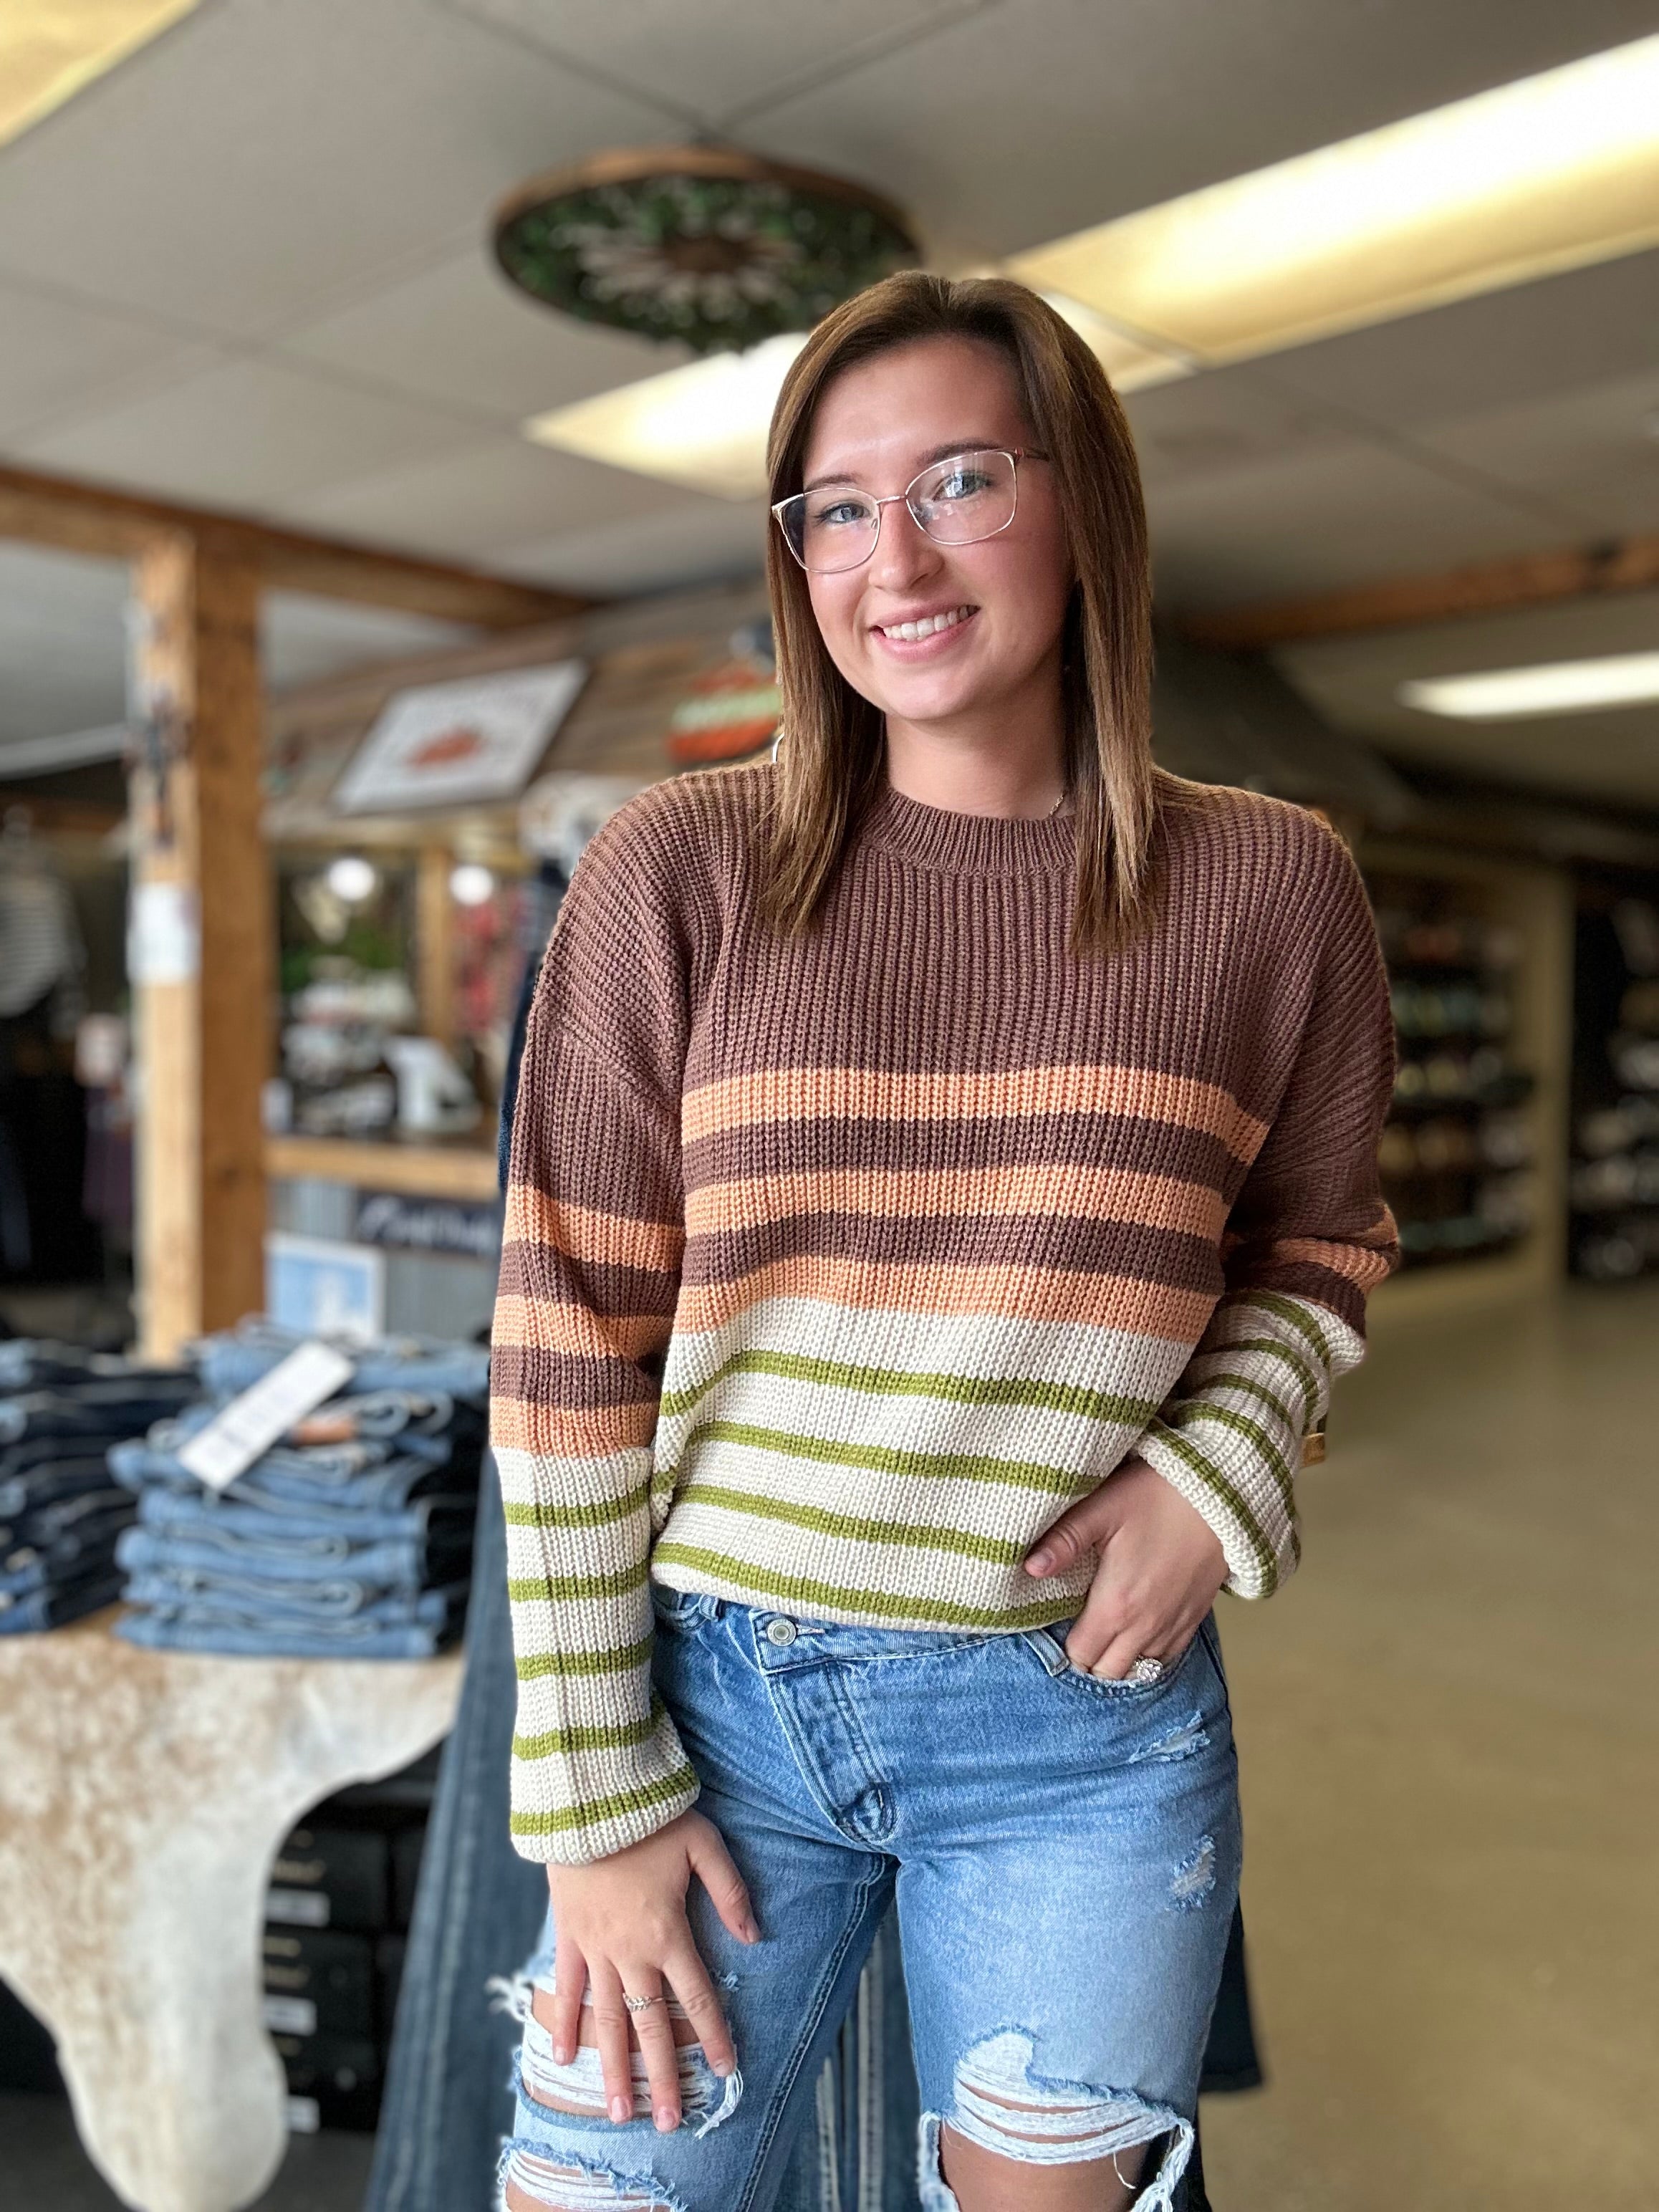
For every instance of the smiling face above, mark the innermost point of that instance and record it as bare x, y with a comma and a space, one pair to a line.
985, 619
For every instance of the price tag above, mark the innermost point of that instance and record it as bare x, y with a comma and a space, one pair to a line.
251, 1423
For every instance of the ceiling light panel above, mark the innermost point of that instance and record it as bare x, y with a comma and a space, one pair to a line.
703, 426
1548, 173
1557, 687
51, 49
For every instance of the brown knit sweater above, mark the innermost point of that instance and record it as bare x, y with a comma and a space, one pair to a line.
835, 1269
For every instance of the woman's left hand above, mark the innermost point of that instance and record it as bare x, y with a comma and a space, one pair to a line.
1161, 1565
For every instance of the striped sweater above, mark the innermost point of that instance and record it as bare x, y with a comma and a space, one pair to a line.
836, 1268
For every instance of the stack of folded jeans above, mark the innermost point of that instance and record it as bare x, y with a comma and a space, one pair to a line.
61, 1511
350, 1538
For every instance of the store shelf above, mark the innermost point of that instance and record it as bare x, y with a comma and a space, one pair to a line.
457, 1171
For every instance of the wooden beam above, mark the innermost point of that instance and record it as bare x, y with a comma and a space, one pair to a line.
73, 517
435, 944
1628, 564
202, 934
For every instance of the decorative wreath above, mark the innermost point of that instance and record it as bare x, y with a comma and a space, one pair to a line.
715, 248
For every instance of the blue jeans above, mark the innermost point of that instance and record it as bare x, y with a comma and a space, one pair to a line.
1064, 1854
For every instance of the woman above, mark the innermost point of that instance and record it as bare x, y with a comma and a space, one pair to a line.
943, 1190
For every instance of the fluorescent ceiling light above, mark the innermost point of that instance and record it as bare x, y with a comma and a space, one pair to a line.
703, 426
1548, 173
50, 49
1132, 364
1557, 687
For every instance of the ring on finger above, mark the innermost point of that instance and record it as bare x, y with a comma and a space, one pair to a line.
1146, 1670
641, 2004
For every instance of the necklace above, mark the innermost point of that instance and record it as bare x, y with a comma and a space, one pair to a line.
1058, 803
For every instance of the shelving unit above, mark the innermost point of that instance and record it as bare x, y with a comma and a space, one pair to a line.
1613, 1171
1479, 965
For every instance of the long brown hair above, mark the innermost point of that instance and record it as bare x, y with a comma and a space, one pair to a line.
829, 766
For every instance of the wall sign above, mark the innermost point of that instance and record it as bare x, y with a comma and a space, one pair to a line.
428, 1224
468, 743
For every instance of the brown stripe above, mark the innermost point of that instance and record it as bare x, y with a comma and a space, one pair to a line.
784, 1093
538, 1272
599, 1236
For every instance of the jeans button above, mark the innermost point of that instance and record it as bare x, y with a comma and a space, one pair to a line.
780, 1632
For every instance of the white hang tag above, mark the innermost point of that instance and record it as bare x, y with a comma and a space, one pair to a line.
251, 1423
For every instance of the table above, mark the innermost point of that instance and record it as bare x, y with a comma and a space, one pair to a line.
142, 1797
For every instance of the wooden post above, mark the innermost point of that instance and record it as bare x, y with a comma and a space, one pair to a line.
202, 940
435, 944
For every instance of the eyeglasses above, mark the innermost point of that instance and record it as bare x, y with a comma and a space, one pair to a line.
957, 501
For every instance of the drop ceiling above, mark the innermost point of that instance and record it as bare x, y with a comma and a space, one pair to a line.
247, 269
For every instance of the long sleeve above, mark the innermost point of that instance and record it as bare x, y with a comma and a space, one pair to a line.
593, 1242
1308, 1239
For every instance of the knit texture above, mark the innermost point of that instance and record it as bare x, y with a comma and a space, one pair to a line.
836, 1268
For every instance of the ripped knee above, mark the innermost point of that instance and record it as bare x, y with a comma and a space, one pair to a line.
1003, 2105
531, 2180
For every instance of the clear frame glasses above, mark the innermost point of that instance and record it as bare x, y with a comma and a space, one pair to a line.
957, 501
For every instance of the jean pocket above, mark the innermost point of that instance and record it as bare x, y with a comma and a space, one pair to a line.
1049, 1645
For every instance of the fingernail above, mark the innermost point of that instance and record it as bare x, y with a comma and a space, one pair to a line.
562, 2054
721, 2066
1039, 1563
621, 2109
667, 2119
750, 1932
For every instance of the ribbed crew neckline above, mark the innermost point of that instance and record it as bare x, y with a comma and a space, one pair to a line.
969, 844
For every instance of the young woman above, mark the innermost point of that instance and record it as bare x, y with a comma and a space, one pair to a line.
943, 1190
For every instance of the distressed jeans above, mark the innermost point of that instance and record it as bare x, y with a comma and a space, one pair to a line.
1064, 1855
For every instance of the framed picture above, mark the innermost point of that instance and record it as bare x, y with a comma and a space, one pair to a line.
470, 743
324, 1289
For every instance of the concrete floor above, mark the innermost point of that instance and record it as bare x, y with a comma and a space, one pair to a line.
1450, 1730
1449, 1727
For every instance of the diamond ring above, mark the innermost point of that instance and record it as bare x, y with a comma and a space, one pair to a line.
1145, 1671
639, 2004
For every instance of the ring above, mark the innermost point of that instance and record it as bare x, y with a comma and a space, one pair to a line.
639, 2004
1145, 1671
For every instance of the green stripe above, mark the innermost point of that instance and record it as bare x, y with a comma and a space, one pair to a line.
960, 1467
537, 1665
592, 1811
1259, 1391
904, 1382
1303, 1375
800, 1590
601, 1514
922, 1536
1200, 1409
554, 1742
1295, 1316
617, 1583
1214, 1479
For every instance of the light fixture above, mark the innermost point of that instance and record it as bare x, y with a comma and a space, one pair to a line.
1548, 173
1131, 361
703, 426
49, 51
1556, 687
471, 884
352, 879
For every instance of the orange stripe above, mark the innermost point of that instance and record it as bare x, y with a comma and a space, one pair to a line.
522, 1425
1109, 1194
1009, 1293
603, 1239
550, 1325
1351, 1261
785, 1094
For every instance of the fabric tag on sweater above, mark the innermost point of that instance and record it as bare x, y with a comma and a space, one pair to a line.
251, 1423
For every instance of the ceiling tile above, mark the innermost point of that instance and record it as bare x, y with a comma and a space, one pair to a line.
499, 491
303, 639
1035, 118
58, 355
460, 333
693, 541
267, 160
720, 55
246, 435
1344, 513
1594, 451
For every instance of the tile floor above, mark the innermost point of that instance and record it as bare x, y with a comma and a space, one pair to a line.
1450, 1731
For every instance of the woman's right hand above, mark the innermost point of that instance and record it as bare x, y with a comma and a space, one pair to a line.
621, 1925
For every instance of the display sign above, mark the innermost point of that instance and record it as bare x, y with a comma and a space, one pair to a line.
322, 1288
472, 742
268, 1409
428, 1224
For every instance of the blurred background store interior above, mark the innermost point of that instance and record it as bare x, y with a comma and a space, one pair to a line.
312, 396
